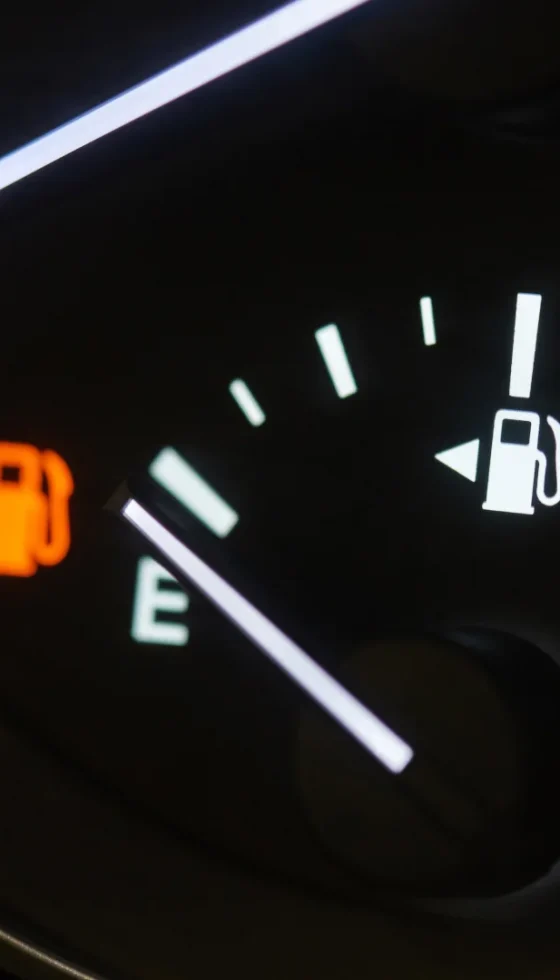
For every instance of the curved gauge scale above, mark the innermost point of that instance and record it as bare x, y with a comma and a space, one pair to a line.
326, 365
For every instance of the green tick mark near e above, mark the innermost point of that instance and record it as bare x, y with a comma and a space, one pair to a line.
181, 480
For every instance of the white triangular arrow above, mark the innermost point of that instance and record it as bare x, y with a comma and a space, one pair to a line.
463, 459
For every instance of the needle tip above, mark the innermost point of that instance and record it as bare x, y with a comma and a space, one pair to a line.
118, 500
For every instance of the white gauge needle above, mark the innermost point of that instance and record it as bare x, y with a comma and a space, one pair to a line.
270, 32
375, 736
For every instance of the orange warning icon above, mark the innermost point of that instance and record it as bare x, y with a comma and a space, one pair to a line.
34, 524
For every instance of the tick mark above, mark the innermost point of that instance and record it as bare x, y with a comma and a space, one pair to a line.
336, 360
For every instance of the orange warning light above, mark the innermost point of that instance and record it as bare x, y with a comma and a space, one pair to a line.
34, 525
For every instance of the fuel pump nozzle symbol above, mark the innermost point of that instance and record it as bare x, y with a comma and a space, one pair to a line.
513, 465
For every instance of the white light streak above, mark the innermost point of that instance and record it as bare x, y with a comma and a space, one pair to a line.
246, 45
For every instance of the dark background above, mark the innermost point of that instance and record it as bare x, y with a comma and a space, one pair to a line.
356, 170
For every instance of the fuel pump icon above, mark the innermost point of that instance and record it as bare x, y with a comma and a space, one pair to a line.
34, 524
514, 465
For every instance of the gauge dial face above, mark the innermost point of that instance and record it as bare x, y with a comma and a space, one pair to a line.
334, 379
